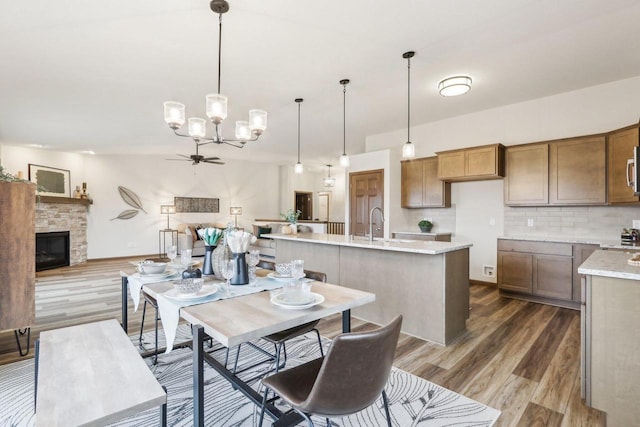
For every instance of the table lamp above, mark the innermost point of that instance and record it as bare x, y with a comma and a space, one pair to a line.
235, 211
169, 210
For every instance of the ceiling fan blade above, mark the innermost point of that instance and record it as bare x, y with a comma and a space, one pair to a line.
211, 158
182, 155
180, 160
212, 162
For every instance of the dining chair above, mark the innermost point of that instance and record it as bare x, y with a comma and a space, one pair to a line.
152, 301
347, 380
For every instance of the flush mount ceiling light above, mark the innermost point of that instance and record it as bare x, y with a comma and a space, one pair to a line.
216, 107
408, 149
328, 181
454, 86
344, 159
298, 167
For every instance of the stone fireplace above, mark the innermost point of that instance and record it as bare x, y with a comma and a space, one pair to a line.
64, 214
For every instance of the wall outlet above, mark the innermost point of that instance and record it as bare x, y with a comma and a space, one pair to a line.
488, 270
530, 222
131, 244
492, 221
636, 224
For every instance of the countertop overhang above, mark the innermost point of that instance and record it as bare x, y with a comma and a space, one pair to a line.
397, 245
610, 264
603, 243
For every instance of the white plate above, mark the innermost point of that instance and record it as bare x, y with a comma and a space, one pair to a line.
206, 290
168, 272
277, 300
280, 278
182, 266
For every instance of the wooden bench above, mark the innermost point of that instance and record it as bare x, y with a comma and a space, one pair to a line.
92, 375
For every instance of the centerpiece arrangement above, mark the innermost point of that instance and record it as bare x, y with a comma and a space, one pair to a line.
210, 237
292, 218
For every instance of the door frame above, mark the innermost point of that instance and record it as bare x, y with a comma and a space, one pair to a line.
348, 219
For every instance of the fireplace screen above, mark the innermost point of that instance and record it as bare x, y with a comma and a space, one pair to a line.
52, 250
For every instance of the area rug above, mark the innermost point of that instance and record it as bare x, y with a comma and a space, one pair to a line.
413, 400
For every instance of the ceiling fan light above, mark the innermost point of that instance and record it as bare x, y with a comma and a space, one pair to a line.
197, 127
454, 86
257, 121
174, 114
243, 132
216, 107
344, 161
298, 168
408, 150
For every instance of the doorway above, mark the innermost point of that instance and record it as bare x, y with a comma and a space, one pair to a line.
366, 191
304, 204
324, 201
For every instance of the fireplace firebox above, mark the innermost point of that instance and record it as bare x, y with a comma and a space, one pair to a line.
52, 250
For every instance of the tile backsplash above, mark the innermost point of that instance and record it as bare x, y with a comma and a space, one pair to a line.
598, 222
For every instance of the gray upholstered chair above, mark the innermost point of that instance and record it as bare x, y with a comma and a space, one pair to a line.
347, 380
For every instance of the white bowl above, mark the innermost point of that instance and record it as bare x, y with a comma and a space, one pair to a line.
188, 286
283, 268
153, 267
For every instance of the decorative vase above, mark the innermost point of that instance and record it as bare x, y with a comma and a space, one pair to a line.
425, 228
207, 267
219, 255
242, 272
294, 228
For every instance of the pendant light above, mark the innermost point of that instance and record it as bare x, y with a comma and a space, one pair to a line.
298, 167
408, 149
344, 159
328, 181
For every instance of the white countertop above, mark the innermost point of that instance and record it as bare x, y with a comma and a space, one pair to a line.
420, 233
603, 243
429, 247
610, 264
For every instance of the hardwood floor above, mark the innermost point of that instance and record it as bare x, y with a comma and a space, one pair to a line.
519, 357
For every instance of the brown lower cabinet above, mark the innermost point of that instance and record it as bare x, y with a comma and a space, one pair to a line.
542, 271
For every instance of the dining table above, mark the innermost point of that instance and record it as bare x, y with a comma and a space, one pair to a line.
244, 317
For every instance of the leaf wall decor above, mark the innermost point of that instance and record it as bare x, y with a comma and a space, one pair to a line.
130, 198
128, 214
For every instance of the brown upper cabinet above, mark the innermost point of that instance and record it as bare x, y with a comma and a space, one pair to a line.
578, 171
619, 150
527, 170
420, 185
563, 172
471, 164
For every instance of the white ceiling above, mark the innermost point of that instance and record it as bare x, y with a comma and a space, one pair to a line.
92, 75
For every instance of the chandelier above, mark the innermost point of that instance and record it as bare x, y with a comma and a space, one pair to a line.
216, 108
329, 181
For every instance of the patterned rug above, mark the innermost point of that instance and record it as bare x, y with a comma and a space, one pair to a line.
413, 400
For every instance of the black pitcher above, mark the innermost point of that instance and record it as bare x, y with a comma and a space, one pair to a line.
206, 264
241, 277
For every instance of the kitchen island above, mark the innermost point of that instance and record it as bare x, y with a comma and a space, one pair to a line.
610, 341
425, 281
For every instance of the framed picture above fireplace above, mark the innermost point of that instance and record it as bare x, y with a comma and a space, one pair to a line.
52, 181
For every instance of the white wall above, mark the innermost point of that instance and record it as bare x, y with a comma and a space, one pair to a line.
253, 186
592, 110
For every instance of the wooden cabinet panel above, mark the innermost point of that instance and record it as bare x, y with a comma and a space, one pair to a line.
552, 276
515, 271
619, 149
420, 186
451, 165
578, 171
537, 247
472, 164
527, 175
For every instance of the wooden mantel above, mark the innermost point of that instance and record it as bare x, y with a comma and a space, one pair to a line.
65, 200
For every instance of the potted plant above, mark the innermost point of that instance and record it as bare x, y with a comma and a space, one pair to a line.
292, 218
425, 225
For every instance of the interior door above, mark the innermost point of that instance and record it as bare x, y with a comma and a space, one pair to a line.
366, 191
323, 205
304, 203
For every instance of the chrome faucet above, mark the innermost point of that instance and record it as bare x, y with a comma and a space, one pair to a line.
371, 221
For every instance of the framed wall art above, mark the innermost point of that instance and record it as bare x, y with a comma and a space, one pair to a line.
196, 204
51, 181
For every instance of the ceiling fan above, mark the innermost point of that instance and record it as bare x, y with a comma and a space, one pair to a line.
197, 158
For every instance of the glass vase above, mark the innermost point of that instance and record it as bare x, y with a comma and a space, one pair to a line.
219, 255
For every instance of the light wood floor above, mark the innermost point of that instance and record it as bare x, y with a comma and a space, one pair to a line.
520, 357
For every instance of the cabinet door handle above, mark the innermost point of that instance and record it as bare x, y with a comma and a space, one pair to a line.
630, 163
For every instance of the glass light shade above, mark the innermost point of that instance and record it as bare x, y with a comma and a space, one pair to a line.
298, 168
344, 161
216, 107
197, 127
454, 86
174, 114
329, 182
243, 132
257, 121
408, 150
235, 210
167, 209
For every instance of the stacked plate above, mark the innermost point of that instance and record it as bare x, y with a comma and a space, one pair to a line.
281, 277
167, 273
207, 290
298, 303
